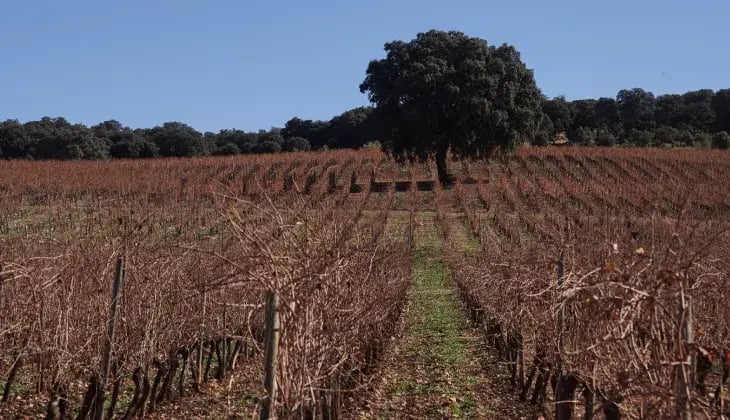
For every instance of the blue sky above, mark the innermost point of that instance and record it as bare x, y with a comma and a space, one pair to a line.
250, 65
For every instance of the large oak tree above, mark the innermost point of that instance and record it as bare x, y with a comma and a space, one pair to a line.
446, 91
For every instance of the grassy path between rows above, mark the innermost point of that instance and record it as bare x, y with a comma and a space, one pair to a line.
439, 367
434, 369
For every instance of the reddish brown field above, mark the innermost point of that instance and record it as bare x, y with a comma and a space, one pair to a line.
642, 233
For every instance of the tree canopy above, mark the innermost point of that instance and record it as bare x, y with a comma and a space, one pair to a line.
637, 118
446, 91
56, 138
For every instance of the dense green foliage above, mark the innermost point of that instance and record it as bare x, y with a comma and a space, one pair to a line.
636, 117
445, 91
55, 138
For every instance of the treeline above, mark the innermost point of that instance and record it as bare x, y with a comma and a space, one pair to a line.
636, 117
56, 138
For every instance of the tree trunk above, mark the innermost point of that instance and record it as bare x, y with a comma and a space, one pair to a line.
611, 411
443, 170
164, 393
137, 379
161, 373
590, 401
185, 354
528, 382
11, 377
58, 405
115, 390
564, 395
221, 351
142, 407
211, 352
53, 411
88, 406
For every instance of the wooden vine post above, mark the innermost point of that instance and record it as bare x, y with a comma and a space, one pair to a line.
109, 348
2, 282
268, 410
565, 384
684, 369
201, 343
559, 405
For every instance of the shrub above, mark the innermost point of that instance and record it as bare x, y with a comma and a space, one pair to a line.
721, 140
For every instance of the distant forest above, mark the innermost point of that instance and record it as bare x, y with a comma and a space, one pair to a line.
699, 118
635, 117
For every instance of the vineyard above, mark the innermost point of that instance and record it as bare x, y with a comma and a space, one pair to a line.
594, 282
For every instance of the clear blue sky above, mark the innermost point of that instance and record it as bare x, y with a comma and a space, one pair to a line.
255, 64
